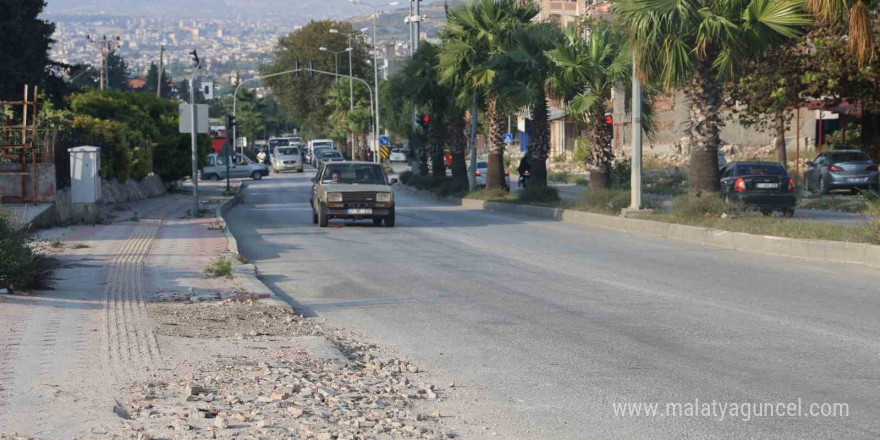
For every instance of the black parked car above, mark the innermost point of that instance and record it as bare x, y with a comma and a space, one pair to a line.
764, 185
841, 169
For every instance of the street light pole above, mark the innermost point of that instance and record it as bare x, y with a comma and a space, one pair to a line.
636, 177
194, 134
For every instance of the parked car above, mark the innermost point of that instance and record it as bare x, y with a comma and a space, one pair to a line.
241, 166
397, 155
287, 159
763, 185
841, 169
352, 191
325, 156
483, 168
318, 143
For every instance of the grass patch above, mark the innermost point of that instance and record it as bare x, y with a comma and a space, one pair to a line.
442, 186
242, 258
539, 195
712, 212
491, 194
56, 244
566, 177
80, 246
609, 201
219, 267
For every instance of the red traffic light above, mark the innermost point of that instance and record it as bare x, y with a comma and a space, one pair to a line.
608, 119
426, 118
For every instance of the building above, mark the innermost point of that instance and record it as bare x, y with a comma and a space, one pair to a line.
563, 12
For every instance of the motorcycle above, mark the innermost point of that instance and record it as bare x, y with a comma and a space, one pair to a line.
524, 180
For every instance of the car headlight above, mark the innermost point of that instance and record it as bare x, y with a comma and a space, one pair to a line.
383, 197
334, 197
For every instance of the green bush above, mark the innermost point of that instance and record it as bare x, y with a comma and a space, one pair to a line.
560, 176
219, 267
21, 267
539, 194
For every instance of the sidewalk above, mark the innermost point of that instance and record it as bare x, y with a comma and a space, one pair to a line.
135, 342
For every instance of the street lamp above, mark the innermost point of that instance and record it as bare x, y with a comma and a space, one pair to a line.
350, 70
375, 15
335, 55
107, 47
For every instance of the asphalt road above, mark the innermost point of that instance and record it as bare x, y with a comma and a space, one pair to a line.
546, 326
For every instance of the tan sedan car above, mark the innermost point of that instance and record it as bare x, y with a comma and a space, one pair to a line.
352, 191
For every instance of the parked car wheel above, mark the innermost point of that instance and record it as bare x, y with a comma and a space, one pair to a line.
257, 175
212, 177
823, 188
314, 217
323, 221
377, 221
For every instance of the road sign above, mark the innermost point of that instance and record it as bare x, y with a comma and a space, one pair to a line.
507, 138
385, 151
384, 141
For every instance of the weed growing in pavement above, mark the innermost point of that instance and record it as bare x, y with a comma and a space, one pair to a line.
217, 226
22, 264
57, 244
242, 259
80, 246
219, 267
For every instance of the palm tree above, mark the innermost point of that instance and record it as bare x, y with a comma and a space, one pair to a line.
422, 86
693, 45
476, 32
355, 124
856, 14
525, 75
586, 71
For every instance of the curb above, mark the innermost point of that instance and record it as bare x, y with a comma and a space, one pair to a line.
246, 276
863, 254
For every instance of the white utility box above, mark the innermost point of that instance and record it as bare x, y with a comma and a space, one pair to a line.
85, 183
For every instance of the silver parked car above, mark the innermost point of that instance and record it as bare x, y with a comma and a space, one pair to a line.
841, 169
325, 156
241, 166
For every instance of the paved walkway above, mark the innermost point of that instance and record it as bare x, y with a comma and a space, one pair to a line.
65, 353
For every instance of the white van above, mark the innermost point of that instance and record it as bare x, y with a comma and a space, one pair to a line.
320, 143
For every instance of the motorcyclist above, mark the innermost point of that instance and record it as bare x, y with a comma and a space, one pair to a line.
523, 171
261, 156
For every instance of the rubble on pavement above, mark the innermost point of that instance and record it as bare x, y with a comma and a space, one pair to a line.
272, 390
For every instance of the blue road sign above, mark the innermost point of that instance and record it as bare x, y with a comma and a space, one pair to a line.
384, 141
507, 138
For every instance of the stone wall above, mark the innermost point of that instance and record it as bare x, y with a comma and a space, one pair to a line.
112, 191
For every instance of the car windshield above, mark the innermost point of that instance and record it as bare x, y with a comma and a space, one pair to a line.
355, 173
760, 169
330, 154
854, 156
321, 144
288, 151
278, 143
482, 164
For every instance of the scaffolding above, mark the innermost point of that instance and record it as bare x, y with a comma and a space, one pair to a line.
19, 150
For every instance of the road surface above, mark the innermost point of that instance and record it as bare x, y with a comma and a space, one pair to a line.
545, 326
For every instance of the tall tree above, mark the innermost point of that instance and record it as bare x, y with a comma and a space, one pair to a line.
525, 77
303, 97
24, 46
475, 34
856, 17
116, 72
694, 45
764, 96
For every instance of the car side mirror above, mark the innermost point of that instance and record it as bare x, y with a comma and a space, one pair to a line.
394, 181
810, 164
314, 179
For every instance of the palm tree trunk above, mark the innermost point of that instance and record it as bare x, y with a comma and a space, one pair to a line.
364, 146
539, 145
779, 124
871, 133
495, 171
458, 144
704, 130
600, 153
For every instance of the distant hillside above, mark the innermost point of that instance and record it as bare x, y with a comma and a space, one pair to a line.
391, 27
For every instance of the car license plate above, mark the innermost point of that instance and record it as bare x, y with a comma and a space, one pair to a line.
857, 179
359, 211
767, 185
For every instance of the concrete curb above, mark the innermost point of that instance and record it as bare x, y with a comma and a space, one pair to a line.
246, 276
814, 250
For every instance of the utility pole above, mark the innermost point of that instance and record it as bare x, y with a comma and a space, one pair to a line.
195, 135
636, 177
161, 67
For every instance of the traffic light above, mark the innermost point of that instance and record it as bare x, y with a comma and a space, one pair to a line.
609, 124
424, 121
230, 123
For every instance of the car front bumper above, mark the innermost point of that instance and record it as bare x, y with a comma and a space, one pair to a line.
775, 201
288, 167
